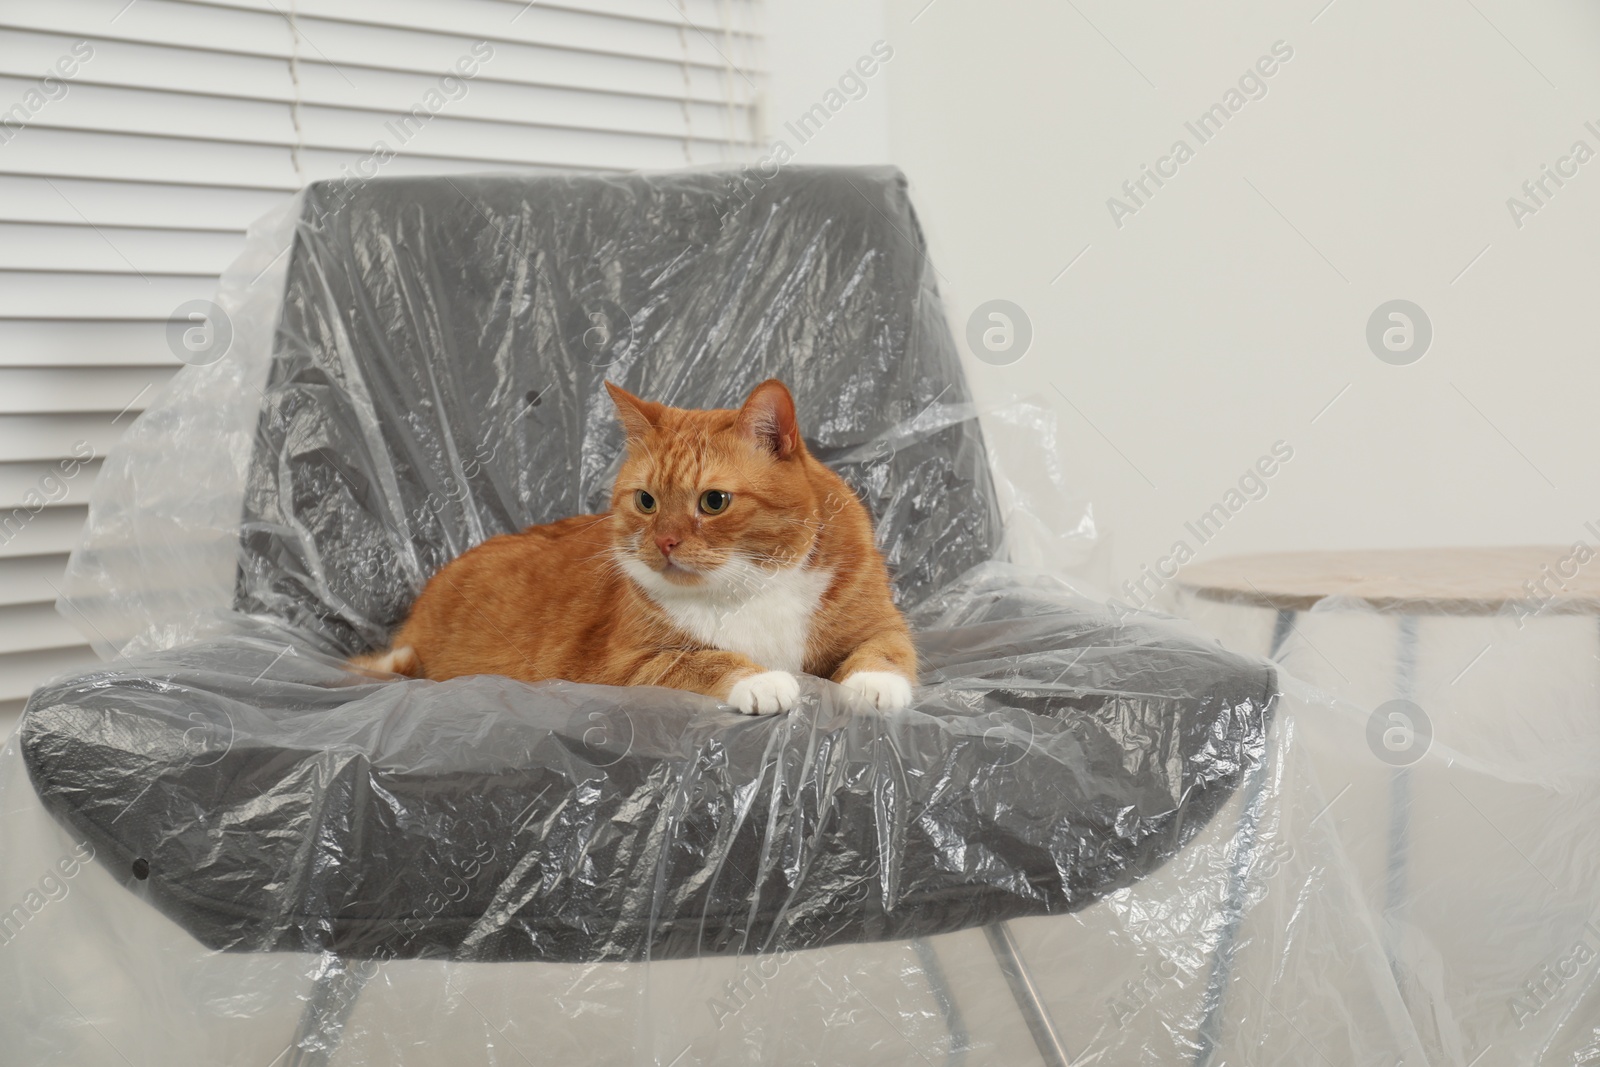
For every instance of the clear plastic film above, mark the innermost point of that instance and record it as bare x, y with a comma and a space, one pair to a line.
1462, 766
1095, 837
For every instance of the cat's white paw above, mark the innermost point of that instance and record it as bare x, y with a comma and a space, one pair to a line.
765, 693
884, 690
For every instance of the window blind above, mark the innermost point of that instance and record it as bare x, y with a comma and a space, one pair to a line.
139, 138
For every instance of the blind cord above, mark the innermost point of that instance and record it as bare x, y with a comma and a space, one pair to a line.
291, 18
683, 66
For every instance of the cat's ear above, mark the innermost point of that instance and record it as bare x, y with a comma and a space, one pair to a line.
638, 416
767, 418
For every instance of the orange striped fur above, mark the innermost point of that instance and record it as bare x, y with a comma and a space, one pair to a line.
728, 595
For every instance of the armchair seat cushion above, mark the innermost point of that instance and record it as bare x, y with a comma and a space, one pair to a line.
263, 801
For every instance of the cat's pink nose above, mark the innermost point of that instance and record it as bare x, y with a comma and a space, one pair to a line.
666, 543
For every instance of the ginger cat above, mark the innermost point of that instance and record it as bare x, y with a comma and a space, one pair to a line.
730, 561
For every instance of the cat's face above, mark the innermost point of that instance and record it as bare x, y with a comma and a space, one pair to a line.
710, 498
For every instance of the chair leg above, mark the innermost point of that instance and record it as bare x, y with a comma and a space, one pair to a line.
1400, 803
954, 1024
333, 998
1026, 994
1250, 815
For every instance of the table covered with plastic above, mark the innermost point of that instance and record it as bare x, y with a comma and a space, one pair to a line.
1094, 837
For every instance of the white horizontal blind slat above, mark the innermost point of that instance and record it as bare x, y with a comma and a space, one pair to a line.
81, 342
50, 437
64, 153
86, 247
47, 478
22, 672
34, 390
127, 188
31, 579
120, 201
48, 530
108, 295
36, 627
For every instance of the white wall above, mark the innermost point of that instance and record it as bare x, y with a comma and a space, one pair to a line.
1226, 313
809, 46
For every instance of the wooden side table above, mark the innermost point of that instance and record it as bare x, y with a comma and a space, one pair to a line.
1416, 581
1521, 583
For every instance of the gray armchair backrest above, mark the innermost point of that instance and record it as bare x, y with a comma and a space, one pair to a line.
437, 369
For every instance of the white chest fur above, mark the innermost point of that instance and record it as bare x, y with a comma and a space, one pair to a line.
765, 615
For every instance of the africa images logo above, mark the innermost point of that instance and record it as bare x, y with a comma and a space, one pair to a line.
999, 332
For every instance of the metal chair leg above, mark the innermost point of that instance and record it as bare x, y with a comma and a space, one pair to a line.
1026, 994
1253, 787
1216, 996
1405, 685
328, 1008
954, 1024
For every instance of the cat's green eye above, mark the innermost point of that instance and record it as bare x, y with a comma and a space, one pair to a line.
645, 502
715, 501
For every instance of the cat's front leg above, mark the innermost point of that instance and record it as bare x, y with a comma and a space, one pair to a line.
881, 671
728, 676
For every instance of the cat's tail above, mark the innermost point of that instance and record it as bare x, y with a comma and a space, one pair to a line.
402, 660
